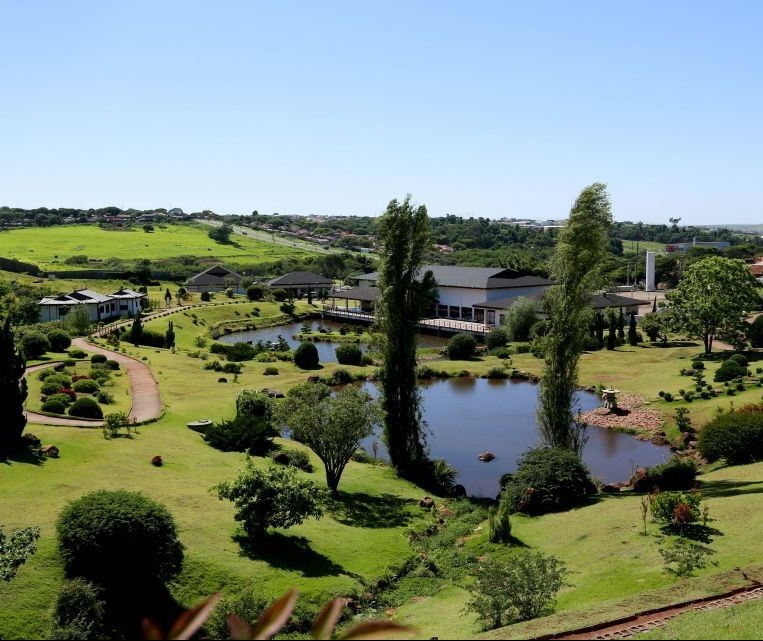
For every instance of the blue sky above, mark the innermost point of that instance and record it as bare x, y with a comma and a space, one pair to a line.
335, 107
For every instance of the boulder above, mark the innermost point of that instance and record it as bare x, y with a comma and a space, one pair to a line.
427, 503
313, 379
486, 456
272, 393
50, 451
30, 440
457, 491
660, 439
610, 488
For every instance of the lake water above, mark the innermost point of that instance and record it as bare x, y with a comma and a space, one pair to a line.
469, 415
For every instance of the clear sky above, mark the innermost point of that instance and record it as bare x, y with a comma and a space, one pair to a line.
335, 107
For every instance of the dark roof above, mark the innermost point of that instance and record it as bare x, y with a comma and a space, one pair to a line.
472, 277
215, 274
358, 293
295, 279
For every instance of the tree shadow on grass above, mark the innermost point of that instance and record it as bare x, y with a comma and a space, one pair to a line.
290, 553
693, 531
24, 456
714, 489
364, 510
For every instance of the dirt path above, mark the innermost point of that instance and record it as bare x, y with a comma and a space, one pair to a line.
146, 400
628, 627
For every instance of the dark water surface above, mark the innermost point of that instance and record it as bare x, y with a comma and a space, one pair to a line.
468, 415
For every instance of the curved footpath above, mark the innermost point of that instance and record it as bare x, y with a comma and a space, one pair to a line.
146, 400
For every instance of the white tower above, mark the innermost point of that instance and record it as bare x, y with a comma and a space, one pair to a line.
649, 272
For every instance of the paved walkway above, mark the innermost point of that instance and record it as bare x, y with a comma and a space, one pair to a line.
146, 400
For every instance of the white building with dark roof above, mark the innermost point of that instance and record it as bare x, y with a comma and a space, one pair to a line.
215, 279
298, 284
100, 307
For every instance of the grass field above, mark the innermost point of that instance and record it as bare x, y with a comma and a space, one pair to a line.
48, 247
615, 569
629, 246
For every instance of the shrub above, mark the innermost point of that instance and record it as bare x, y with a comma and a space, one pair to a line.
98, 358
696, 365
736, 437
114, 422
79, 612
306, 356
240, 351
255, 292
676, 509
86, 385
104, 397
54, 406
86, 408
100, 374
668, 397
247, 604
112, 364
157, 461
270, 371
242, 434
232, 368
299, 459
547, 480
739, 358
34, 344
520, 589
117, 537
501, 352
61, 398
728, 371
54, 383
77, 353
497, 337
338, 377
59, 340
273, 497
44, 373
462, 347
497, 372
349, 354
498, 521
279, 295
687, 555
205, 297
675, 474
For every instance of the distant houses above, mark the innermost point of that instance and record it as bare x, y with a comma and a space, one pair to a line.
100, 307
215, 279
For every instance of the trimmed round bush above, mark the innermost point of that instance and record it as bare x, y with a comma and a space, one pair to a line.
728, 371
114, 536
86, 408
255, 292
63, 398
678, 473
736, 437
547, 479
698, 365
205, 297
349, 354
112, 364
461, 347
34, 344
306, 356
77, 353
98, 358
59, 340
86, 385
55, 382
279, 295
739, 358
497, 337
54, 406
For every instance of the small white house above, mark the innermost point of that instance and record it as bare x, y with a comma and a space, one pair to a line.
100, 307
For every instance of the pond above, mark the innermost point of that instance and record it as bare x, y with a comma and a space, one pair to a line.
326, 351
469, 415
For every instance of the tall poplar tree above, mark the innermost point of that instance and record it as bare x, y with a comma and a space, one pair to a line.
13, 391
581, 245
406, 295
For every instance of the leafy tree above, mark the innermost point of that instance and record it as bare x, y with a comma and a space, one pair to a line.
306, 356
406, 295
687, 556
255, 292
16, 549
114, 536
273, 497
520, 318
136, 331
522, 588
621, 326
333, 426
656, 325
79, 321
497, 337
462, 347
13, 391
349, 354
59, 340
222, 233
715, 295
148, 228
575, 268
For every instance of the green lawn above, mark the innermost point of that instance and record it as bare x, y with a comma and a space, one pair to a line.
48, 247
629, 246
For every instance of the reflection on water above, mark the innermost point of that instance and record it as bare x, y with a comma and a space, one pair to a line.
466, 416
